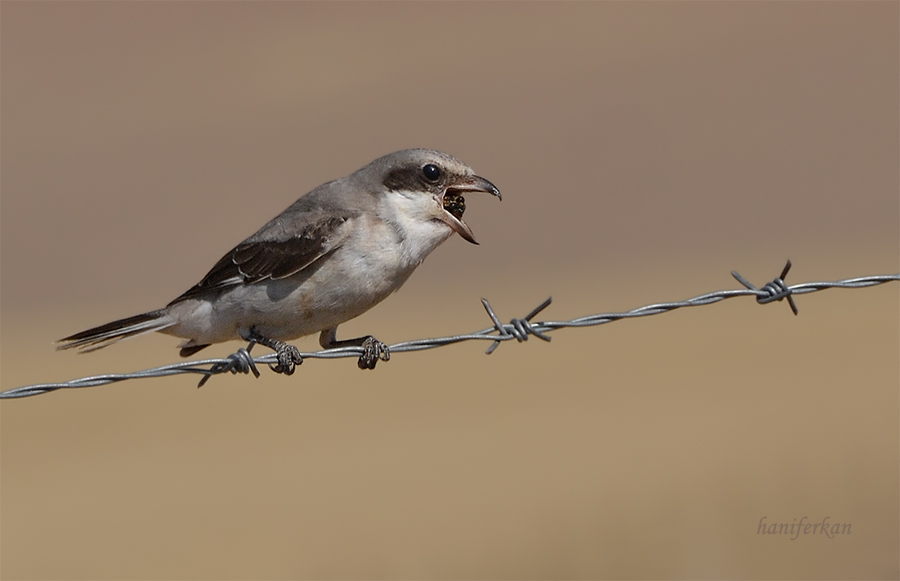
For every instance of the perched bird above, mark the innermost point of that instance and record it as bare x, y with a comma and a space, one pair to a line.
329, 257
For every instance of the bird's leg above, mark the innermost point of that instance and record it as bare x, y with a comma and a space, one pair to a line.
288, 355
373, 348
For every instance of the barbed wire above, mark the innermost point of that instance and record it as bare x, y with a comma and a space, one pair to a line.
518, 329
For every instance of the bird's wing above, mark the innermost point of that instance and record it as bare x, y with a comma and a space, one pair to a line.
275, 252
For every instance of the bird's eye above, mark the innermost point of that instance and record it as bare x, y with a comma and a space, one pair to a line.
432, 172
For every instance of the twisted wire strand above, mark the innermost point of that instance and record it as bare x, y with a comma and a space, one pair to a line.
519, 329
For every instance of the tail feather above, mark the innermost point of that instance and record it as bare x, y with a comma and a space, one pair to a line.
107, 334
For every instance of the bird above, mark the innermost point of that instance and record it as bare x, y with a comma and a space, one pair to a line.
329, 257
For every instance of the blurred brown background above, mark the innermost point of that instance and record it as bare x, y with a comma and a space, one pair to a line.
644, 150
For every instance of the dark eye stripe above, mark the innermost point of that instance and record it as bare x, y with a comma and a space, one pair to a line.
403, 179
412, 179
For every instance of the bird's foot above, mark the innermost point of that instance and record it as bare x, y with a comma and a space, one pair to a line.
374, 350
288, 359
288, 355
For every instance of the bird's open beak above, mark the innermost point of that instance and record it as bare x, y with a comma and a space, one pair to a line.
454, 204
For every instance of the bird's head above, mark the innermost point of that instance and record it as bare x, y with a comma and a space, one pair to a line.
429, 186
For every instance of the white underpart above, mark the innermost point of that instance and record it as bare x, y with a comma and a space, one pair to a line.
379, 253
417, 216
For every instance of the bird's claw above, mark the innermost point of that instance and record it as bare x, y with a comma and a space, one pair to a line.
373, 351
288, 358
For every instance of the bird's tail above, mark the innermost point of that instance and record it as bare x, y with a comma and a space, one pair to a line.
107, 334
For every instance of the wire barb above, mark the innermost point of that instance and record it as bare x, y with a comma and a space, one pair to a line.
238, 362
776, 290
518, 329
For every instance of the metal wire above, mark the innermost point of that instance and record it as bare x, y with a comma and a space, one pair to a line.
518, 329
